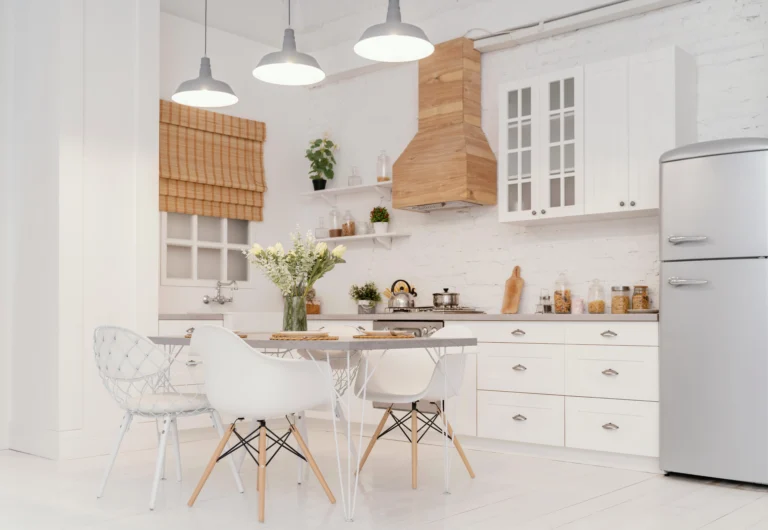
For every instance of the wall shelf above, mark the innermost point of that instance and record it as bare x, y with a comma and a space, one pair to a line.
383, 189
384, 239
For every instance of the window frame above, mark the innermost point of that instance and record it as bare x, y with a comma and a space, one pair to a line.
194, 244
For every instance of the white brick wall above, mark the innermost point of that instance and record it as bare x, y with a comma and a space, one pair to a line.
470, 251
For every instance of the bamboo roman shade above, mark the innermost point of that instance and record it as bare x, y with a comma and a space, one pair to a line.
211, 164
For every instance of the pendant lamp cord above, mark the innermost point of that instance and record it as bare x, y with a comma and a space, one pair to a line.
205, 45
289, 13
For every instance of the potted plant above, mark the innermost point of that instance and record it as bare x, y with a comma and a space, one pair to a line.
380, 220
295, 272
321, 161
367, 296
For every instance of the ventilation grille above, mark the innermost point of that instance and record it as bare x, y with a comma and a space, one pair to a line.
440, 206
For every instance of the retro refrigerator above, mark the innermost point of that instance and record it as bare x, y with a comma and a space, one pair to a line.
713, 341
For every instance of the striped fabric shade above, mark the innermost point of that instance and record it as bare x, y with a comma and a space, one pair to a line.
211, 164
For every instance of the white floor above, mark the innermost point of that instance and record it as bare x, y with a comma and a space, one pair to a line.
510, 492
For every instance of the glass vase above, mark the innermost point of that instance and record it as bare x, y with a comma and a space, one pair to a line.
294, 313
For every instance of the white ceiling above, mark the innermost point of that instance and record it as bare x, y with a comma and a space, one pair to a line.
318, 23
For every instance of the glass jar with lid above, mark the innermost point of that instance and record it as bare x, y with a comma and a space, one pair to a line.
334, 227
562, 296
321, 232
640, 298
545, 301
619, 299
348, 224
596, 298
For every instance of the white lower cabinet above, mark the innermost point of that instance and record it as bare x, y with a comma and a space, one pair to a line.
530, 418
536, 368
620, 372
616, 426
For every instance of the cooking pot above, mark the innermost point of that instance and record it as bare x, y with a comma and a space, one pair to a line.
445, 299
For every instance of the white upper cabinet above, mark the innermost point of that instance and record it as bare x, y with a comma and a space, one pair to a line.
596, 135
519, 151
561, 183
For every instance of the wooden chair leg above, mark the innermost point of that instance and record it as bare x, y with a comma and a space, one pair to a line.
376, 433
457, 444
211, 464
414, 446
312, 463
262, 470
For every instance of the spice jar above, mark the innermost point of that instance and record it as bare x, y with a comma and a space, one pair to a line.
545, 301
334, 227
640, 298
562, 296
619, 299
348, 226
578, 306
596, 298
383, 168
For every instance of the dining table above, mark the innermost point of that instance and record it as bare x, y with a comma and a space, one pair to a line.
354, 350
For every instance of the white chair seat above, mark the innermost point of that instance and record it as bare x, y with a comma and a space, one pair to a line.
170, 403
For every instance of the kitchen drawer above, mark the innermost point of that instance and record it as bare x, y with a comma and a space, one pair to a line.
622, 372
530, 418
613, 333
520, 331
187, 370
535, 368
630, 427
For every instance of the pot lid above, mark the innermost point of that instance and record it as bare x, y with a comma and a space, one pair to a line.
445, 291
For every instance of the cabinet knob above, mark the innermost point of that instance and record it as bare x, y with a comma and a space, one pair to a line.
192, 363
543, 212
518, 332
632, 203
610, 427
621, 203
609, 334
519, 417
533, 212
610, 371
519, 368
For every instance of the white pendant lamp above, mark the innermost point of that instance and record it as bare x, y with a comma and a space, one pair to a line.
289, 66
394, 41
205, 91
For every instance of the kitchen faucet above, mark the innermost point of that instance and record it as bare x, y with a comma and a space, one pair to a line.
219, 298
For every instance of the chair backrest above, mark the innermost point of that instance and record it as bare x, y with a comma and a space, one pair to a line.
242, 381
129, 364
412, 371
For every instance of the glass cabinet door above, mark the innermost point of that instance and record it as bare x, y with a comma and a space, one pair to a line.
561, 189
517, 151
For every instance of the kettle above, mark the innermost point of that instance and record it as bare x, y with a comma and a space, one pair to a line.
401, 295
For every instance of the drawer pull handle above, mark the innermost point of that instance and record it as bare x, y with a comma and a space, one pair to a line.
518, 332
681, 282
519, 417
610, 371
193, 363
609, 333
610, 426
519, 368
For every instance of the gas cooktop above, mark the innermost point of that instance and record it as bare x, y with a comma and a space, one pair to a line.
431, 309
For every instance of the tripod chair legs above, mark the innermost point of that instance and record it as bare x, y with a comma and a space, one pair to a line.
211, 464
415, 439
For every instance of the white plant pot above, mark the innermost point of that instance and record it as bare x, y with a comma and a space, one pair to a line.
380, 228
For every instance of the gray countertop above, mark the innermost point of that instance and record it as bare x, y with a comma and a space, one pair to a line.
190, 316
488, 317
262, 341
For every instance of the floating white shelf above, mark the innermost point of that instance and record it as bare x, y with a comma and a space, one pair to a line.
384, 239
383, 189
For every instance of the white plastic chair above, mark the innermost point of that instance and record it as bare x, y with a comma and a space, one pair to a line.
410, 376
245, 383
137, 374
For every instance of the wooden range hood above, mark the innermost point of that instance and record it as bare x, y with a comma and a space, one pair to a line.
449, 163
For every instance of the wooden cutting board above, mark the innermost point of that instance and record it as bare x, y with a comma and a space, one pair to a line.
513, 289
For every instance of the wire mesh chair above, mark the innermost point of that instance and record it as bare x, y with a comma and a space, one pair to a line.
138, 376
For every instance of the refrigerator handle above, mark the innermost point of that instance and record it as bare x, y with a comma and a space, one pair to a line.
678, 282
676, 240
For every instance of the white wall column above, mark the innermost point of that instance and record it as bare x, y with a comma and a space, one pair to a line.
84, 242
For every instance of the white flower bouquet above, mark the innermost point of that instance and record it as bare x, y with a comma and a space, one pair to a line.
295, 272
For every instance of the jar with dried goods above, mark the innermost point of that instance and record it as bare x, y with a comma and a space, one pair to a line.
640, 298
562, 296
596, 298
348, 226
619, 299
